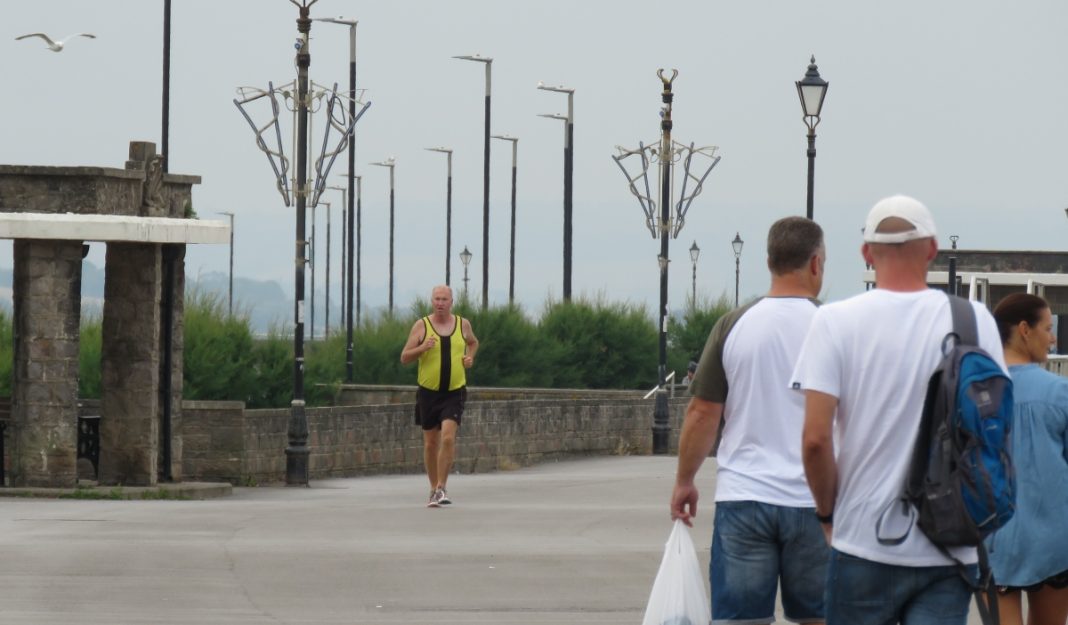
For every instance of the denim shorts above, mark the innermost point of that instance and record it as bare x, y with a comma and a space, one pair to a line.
863, 592
755, 548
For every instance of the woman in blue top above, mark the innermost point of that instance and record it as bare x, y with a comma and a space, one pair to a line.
1030, 554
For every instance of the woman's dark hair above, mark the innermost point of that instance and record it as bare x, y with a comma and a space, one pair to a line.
1013, 309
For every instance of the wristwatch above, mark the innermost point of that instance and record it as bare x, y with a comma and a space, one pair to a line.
829, 518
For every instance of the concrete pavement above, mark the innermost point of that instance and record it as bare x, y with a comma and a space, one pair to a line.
570, 542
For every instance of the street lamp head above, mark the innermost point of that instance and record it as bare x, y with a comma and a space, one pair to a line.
812, 89
389, 162
474, 57
737, 244
953, 240
465, 257
443, 150
553, 116
694, 252
505, 138
557, 88
337, 20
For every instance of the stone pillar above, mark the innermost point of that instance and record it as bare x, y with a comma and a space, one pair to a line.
47, 296
130, 365
175, 254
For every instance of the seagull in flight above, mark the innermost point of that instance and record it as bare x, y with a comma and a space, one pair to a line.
56, 46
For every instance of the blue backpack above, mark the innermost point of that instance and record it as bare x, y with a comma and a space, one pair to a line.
961, 484
961, 478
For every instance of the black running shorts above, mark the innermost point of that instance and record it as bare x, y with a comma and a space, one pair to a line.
432, 407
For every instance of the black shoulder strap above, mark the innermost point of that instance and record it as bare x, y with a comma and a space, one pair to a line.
964, 323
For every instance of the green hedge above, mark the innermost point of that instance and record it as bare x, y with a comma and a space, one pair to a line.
584, 343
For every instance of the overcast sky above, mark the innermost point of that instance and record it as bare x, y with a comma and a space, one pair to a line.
959, 103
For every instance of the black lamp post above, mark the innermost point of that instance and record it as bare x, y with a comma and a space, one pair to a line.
569, 167
230, 292
485, 176
390, 163
465, 258
448, 212
811, 89
665, 218
694, 253
511, 247
951, 279
347, 289
737, 244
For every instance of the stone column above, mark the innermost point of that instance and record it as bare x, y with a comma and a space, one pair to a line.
130, 365
47, 296
175, 253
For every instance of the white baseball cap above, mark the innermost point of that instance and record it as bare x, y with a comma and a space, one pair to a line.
902, 207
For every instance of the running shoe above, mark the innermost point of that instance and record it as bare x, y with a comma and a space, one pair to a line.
434, 501
444, 498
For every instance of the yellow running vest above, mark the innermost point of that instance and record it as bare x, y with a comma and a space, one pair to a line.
438, 367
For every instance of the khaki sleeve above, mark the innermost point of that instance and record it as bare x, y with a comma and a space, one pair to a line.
710, 379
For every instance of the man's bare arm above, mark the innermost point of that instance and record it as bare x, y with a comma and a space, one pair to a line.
472, 343
695, 443
415, 345
817, 450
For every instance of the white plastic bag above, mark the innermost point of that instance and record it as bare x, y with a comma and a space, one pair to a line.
678, 596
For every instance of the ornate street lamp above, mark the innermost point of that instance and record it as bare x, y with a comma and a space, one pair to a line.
811, 89
465, 258
737, 244
694, 253
666, 225
302, 186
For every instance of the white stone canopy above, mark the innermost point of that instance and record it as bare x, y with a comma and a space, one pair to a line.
69, 226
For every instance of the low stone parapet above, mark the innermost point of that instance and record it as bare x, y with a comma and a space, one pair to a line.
225, 441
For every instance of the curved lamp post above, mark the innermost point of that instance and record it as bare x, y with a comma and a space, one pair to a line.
569, 168
811, 89
511, 246
488, 62
390, 163
448, 210
737, 244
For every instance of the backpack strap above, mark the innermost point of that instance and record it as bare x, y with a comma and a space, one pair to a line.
964, 324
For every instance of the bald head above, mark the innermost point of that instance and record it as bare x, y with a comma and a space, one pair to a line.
441, 300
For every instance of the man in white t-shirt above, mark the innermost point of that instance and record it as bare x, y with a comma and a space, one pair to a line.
864, 369
765, 530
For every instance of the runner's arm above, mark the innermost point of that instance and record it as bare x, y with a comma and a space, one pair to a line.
472, 343
415, 345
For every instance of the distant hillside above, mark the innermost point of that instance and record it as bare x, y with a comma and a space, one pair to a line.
263, 301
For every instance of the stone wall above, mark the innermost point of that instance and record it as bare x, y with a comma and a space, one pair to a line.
223, 441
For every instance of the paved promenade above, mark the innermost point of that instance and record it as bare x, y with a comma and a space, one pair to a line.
564, 543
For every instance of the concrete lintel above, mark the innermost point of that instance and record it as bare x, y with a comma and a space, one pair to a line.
106, 228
